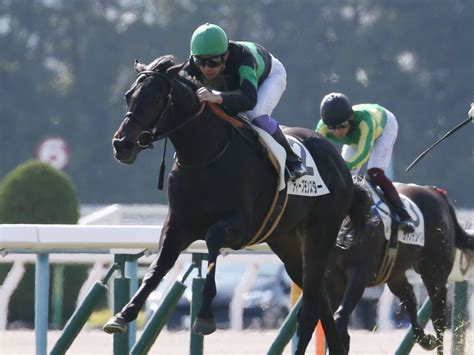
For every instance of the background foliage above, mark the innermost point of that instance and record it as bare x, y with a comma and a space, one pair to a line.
65, 65
35, 192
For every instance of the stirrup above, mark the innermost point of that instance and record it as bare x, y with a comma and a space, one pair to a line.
296, 169
407, 226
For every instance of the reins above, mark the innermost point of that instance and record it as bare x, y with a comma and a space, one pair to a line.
166, 114
224, 116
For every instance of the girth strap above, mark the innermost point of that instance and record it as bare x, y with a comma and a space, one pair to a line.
280, 198
272, 218
390, 256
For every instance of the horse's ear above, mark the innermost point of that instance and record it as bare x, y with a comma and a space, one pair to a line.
174, 70
139, 67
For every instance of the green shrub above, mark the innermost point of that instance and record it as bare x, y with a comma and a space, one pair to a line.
21, 309
37, 193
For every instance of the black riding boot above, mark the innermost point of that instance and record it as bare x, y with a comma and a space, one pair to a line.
406, 223
378, 177
294, 164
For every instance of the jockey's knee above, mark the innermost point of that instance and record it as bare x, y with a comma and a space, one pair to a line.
374, 172
266, 123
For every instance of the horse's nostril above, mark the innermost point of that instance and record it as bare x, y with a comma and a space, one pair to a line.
122, 143
116, 141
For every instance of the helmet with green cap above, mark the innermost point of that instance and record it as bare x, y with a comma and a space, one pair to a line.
209, 39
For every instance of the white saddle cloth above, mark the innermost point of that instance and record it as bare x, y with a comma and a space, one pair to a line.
310, 184
381, 208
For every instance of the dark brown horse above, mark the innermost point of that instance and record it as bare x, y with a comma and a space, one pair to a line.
220, 189
354, 266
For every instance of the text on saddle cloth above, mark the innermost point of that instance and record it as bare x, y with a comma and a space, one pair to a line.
381, 209
310, 184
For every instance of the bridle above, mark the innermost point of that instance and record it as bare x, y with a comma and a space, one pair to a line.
149, 135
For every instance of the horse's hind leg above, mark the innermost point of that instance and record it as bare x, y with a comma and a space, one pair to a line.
401, 288
437, 292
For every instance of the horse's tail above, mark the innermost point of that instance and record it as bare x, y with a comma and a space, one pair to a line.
462, 239
360, 209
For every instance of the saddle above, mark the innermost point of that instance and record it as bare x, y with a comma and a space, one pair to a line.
272, 218
381, 214
349, 237
309, 185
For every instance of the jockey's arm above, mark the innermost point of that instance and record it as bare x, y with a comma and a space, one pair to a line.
244, 98
364, 146
240, 100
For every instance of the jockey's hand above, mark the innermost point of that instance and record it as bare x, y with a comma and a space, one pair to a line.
471, 112
210, 96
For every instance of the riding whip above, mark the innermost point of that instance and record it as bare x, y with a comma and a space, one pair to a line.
438, 141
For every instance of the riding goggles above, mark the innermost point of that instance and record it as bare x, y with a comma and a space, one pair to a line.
211, 62
343, 125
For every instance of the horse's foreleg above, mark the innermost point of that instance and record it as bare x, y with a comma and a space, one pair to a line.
356, 277
216, 238
437, 291
174, 240
331, 331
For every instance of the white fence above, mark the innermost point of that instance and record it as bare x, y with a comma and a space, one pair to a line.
96, 244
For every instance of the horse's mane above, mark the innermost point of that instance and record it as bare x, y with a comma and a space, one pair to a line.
168, 62
195, 83
161, 64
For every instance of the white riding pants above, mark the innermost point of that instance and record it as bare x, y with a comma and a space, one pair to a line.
269, 93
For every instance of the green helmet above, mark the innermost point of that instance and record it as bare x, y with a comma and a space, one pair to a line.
209, 39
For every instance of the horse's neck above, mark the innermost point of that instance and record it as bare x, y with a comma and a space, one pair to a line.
202, 138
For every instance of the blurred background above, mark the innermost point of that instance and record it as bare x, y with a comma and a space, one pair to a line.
65, 66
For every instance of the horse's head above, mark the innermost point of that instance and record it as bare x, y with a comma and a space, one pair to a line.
149, 108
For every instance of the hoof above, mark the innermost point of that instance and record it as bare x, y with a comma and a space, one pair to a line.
115, 325
429, 342
204, 326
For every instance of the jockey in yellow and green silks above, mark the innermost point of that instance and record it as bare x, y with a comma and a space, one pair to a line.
368, 133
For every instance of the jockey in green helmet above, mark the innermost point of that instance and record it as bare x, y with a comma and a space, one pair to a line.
209, 40
244, 77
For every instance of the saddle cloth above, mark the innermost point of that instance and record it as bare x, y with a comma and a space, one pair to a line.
380, 209
309, 185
